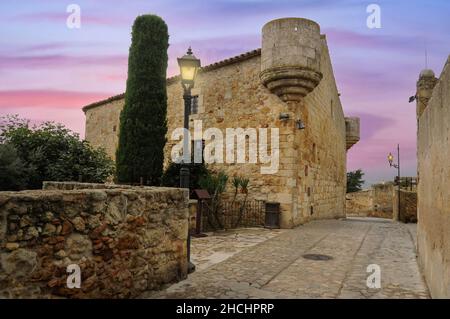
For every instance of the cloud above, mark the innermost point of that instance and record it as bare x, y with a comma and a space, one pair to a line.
346, 38
372, 124
59, 60
9, 100
61, 17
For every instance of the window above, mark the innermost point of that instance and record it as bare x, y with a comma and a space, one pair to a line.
194, 104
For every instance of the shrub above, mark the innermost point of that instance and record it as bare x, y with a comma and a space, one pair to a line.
51, 152
13, 172
215, 184
171, 176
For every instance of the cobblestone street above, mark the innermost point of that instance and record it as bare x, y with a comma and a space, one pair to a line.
271, 264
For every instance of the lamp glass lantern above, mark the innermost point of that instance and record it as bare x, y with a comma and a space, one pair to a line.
390, 159
189, 66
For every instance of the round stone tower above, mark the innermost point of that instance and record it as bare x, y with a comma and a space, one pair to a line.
425, 85
290, 57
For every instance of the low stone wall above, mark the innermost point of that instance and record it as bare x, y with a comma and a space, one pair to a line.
374, 202
359, 204
408, 206
124, 239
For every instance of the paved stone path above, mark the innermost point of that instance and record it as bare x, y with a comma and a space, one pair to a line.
276, 268
221, 245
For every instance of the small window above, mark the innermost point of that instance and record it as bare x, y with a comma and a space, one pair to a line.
306, 170
194, 104
309, 191
114, 128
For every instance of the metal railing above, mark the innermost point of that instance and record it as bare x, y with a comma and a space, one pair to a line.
232, 214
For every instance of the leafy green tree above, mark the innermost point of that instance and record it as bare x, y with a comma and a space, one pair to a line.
13, 172
355, 181
143, 124
51, 152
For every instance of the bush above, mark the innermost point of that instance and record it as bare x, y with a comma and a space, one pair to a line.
51, 152
13, 172
143, 124
171, 177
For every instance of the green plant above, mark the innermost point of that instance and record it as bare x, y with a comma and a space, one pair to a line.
355, 181
215, 184
171, 176
13, 172
143, 126
236, 182
243, 183
51, 152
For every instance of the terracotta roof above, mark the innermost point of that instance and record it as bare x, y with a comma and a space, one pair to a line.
214, 66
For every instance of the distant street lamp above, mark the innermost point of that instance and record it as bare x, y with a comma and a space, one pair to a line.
189, 66
397, 166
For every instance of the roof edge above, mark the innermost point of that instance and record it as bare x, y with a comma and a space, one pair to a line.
217, 65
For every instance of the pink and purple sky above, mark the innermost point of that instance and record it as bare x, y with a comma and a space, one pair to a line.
48, 71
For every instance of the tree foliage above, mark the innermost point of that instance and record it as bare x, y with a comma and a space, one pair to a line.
13, 172
355, 181
51, 152
143, 124
171, 176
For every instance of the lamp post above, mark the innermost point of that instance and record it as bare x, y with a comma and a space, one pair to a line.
189, 66
397, 166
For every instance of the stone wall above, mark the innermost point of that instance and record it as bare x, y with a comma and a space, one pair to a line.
434, 180
408, 206
125, 240
311, 180
374, 202
359, 204
102, 125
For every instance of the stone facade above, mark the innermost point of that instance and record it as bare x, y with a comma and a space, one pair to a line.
374, 202
433, 109
291, 75
125, 240
408, 206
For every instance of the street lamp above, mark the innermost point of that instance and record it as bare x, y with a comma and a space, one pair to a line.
189, 66
397, 166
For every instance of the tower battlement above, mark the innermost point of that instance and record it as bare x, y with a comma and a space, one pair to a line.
290, 57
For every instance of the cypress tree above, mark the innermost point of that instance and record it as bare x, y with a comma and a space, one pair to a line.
143, 123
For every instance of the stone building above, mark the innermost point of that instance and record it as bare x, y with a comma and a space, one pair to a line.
287, 84
433, 155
